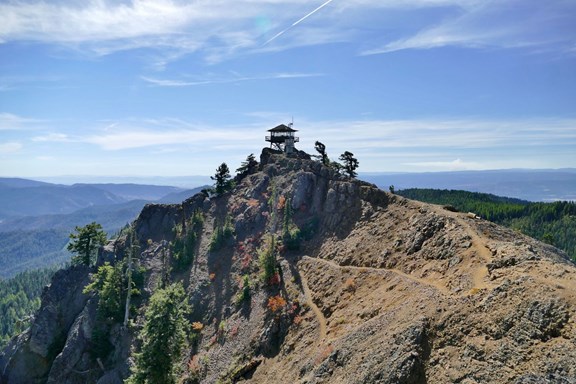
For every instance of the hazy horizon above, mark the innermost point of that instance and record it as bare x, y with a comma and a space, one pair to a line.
193, 181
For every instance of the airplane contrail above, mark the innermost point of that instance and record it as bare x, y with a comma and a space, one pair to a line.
298, 22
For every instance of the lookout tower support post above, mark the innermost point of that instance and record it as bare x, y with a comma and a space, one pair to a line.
282, 138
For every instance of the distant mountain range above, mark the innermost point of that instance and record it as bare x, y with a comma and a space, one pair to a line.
21, 197
37, 217
526, 184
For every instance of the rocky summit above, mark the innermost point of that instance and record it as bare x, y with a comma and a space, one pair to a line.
364, 287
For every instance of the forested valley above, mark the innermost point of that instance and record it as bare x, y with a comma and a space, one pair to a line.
20, 299
553, 223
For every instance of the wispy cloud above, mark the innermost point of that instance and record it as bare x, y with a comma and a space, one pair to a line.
542, 26
10, 148
340, 135
10, 121
9, 83
423, 144
141, 138
220, 29
226, 80
453, 133
53, 137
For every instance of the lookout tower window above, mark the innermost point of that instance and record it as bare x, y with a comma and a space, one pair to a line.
282, 138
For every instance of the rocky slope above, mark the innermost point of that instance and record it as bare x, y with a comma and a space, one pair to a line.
374, 289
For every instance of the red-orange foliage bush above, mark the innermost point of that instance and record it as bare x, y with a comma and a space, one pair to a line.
275, 279
281, 203
276, 303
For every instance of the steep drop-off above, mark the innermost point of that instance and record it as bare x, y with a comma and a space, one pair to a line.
371, 288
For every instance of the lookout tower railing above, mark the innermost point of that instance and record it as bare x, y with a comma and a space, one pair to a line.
282, 138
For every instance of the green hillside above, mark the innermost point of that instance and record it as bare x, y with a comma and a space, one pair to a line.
19, 299
553, 223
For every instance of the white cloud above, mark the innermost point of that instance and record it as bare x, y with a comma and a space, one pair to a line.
425, 144
9, 83
373, 137
10, 121
445, 134
226, 80
219, 29
10, 148
166, 135
543, 26
53, 137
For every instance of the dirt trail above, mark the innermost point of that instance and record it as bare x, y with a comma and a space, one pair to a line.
479, 247
417, 280
317, 312
480, 273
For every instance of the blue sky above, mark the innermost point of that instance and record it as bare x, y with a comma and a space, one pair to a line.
174, 88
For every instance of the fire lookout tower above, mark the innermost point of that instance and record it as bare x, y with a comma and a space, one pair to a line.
282, 138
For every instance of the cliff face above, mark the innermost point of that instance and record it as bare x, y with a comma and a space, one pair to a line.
370, 288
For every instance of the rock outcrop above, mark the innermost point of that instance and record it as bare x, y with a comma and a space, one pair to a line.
370, 288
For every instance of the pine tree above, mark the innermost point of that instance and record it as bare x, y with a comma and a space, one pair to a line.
247, 166
350, 164
85, 242
267, 260
109, 283
163, 337
323, 156
222, 179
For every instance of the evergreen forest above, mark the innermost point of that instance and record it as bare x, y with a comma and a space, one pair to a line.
553, 223
19, 300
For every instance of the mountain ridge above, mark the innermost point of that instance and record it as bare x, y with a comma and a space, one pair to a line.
39, 240
408, 291
23, 197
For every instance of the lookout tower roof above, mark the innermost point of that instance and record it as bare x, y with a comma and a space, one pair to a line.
282, 138
282, 128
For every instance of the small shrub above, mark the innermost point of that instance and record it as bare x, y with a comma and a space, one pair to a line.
246, 261
267, 260
244, 295
281, 203
292, 239
234, 331
221, 234
276, 303
275, 279
221, 330
350, 285
197, 326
